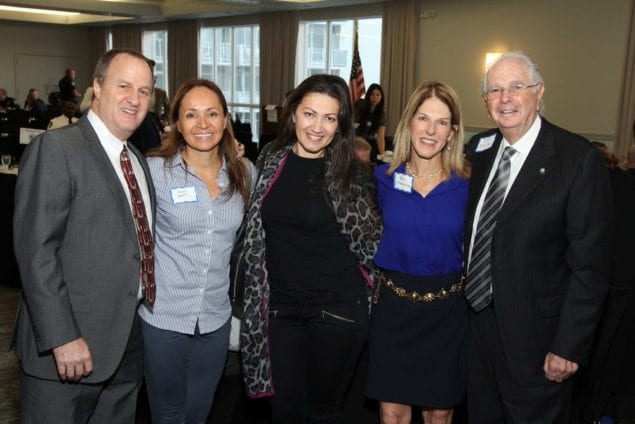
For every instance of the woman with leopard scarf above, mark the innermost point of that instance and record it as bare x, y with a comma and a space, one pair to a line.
312, 232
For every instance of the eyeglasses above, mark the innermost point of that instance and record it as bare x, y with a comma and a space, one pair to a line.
514, 89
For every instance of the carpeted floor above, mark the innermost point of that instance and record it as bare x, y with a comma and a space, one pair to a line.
9, 371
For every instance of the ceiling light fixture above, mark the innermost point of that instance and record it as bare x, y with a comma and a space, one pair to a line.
490, 57
300, 1
40, 11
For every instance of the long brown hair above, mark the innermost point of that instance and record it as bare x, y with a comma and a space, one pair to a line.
239, 178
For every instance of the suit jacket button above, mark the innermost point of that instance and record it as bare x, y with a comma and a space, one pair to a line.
133, 293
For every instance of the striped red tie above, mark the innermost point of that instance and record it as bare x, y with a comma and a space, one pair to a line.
143, 229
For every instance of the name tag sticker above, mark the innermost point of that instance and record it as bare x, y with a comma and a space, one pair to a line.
403, 182
183, 195
485, 143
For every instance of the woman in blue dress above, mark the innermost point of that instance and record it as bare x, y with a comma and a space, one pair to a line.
418, 325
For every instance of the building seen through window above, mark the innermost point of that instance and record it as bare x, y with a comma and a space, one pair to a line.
155, 47
327, 47
230, 56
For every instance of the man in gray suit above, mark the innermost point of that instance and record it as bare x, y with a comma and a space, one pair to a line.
77, 246
537, 240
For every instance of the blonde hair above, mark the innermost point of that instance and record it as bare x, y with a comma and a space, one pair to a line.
452, 157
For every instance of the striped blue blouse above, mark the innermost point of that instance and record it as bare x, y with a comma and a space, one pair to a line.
193, 241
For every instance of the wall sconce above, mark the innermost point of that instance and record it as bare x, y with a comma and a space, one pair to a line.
490, 57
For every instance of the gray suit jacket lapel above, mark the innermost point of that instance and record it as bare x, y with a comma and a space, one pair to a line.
104, 167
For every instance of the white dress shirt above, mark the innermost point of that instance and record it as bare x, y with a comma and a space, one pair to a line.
113, 147
523, 146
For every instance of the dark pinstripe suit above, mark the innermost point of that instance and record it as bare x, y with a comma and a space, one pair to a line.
549, 260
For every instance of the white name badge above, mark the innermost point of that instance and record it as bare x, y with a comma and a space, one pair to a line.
403, 182
485, 143
183, 195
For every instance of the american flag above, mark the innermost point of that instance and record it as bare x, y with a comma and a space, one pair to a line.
356, 81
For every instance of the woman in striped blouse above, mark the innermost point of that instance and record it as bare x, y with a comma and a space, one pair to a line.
202, 187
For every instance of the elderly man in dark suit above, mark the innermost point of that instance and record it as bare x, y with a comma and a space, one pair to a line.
82, 230
537, 243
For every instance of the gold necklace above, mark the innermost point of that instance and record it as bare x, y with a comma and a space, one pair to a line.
422, 177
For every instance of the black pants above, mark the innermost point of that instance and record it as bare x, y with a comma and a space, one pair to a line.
315, 346
493, 394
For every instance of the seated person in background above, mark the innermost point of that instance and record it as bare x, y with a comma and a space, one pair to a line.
54, 104
87, 99
5, 101
34, 104
371, 119
362, 149
66, 118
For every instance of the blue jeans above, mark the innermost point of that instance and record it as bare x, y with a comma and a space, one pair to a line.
315, 346
182, 372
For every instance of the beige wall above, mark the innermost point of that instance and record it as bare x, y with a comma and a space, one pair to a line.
579, 46
50, 49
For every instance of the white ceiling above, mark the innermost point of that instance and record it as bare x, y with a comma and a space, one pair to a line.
97, 12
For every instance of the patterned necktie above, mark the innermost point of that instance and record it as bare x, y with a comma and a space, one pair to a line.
478, 286
143, 229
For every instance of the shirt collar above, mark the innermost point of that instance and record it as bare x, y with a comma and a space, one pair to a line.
526, 142
108, 140
177, 160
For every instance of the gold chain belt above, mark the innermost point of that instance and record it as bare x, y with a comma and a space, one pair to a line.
414, 296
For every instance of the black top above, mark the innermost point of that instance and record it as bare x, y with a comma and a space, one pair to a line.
367, 125
307, 256
67, 89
